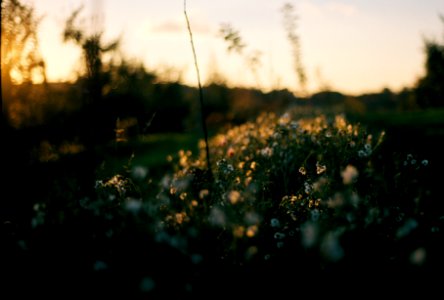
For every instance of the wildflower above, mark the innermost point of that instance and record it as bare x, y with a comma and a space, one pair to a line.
315, 213
238, 231
320, 168
349, 175
252, 218
309, 234
310, 203
425, 162
418, 256
284, 119
331, 248
139, 172
203, 193
275, 222
317, 186
217, 217
230, 152
279, 236
234, 197
180, 217
267, 151
133, 205
408, 226
302, 170
99, 183
294, 125
252, 231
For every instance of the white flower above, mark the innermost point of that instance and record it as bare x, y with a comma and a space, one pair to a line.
418, 256
133, 205
309, 232
267, 151
275, 222
279, 235
315, 215
217, 217
308, 188
139, 172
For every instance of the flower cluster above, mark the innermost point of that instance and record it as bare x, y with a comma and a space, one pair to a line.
271, 178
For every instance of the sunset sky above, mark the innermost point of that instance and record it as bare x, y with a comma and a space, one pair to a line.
351, 46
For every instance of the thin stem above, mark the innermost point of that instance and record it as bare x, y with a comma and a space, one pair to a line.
202, 108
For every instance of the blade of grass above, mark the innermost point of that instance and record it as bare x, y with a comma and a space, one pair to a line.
202, 107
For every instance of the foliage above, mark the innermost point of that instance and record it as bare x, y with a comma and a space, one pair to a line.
430, 88
93, 49
290, 27
235, 43
19, 47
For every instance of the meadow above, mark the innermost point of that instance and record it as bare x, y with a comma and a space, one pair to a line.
108, 188
288, 203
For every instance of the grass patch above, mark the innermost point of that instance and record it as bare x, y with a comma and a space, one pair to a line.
423, 119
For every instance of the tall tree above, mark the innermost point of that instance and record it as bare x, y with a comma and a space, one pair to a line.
430, 88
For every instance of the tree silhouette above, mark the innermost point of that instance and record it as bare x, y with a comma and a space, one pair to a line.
430, 88
93, 49
97, 123
20, 58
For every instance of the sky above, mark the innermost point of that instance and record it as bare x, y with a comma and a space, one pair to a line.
350, 46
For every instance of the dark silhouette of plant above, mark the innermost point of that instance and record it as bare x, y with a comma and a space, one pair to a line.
236, 44
98, 120
430, 88
232, 37
290, 24
202, 107
93, 49
20, 58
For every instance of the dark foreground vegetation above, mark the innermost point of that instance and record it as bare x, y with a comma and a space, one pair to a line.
106, 190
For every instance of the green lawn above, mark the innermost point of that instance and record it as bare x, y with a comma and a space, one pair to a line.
149, 151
